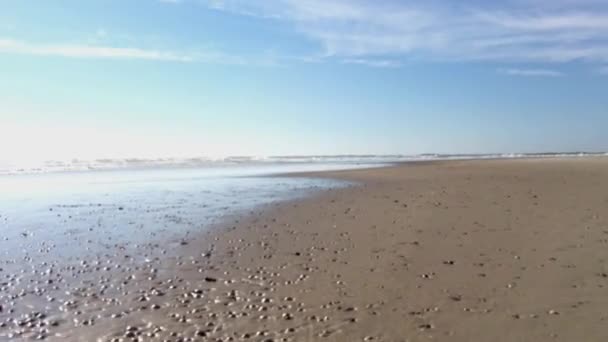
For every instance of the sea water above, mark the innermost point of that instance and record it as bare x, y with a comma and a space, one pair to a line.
70, 214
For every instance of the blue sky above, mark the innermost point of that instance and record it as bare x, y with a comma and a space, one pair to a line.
152, 78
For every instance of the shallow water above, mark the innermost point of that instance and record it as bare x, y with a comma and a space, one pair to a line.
73, 214
76, 248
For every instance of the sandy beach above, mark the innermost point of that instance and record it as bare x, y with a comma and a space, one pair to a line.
495, 250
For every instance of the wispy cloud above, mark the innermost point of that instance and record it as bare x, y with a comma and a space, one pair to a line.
96, 51
89, 51
375, 63
603, 70
389, 33
532, 72
546, 22
516, 30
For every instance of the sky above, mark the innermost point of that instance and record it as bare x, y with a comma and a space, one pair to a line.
181, 78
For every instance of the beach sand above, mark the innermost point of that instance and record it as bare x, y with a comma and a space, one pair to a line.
494, 250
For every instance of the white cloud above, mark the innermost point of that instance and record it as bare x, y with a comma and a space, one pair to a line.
545, 22
89, 51
96, 51
375, 63
532, 72
387, 34
518, 30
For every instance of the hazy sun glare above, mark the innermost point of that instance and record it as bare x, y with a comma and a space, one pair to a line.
31, 144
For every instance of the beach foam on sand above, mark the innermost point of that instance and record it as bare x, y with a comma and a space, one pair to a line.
498, 250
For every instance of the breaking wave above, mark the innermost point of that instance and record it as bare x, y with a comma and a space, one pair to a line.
206, 162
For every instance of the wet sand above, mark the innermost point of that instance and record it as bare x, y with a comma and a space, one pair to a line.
500, 250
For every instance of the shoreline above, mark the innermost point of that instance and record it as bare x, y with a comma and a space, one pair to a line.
117, 165
510, 250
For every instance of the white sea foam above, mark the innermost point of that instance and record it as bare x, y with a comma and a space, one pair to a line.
7, 168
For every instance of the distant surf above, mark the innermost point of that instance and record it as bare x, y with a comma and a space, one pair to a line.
8, 168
